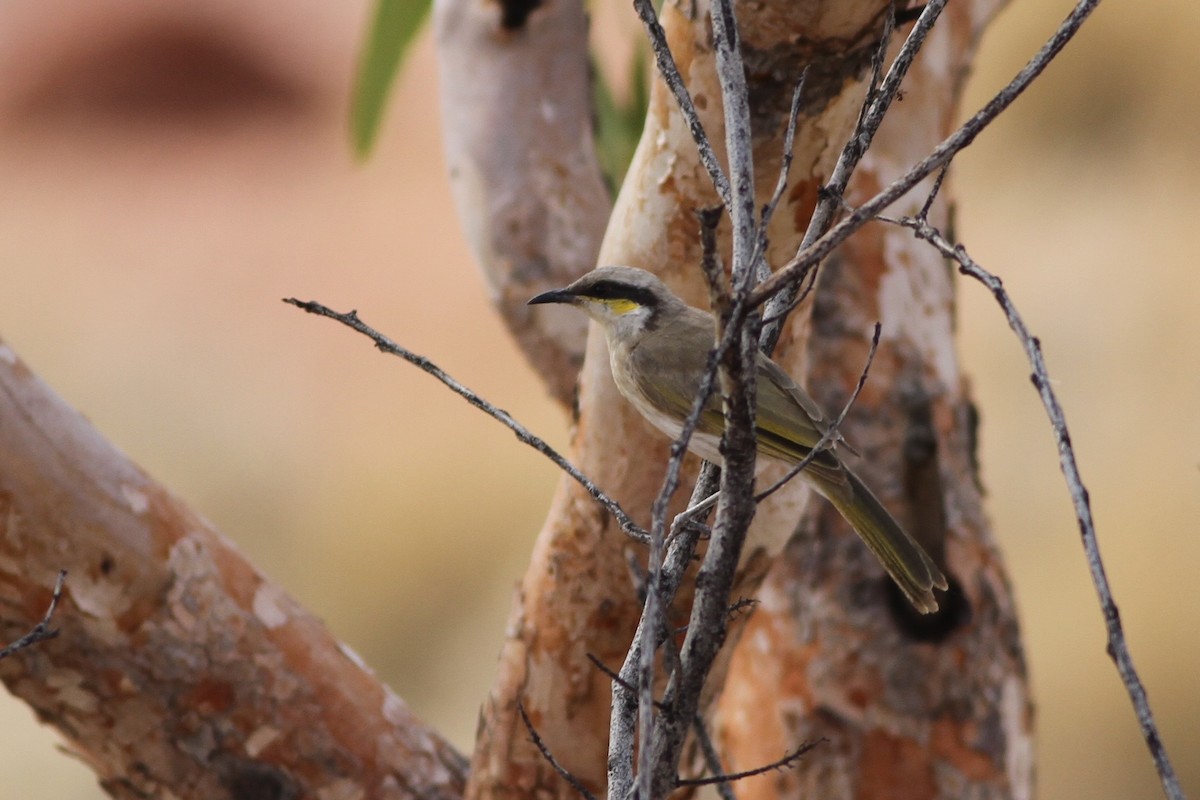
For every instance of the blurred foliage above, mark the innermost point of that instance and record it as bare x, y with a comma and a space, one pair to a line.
619, 124
393, 30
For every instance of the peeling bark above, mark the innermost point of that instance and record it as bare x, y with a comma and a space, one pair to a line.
180, 671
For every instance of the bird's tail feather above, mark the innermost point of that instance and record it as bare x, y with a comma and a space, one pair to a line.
906, 561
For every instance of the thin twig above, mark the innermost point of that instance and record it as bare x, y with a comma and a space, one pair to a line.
878, 59
42, 631
383, 343
712, 759
792, 273
785, 160
831, 433
674, 81
615, 676
780, 764
923, 214
875, 107
781, 183
1118, 649
546, 754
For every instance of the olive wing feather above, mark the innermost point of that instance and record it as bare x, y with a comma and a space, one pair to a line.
668, 370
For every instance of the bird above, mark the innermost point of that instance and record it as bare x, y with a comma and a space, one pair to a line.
658, 349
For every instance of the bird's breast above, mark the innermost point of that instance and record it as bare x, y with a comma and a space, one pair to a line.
702, 444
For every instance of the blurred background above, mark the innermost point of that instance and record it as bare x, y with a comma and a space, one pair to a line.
168, 172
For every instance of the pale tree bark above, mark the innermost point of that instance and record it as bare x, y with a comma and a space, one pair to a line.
875, 682
180, 671
517, 128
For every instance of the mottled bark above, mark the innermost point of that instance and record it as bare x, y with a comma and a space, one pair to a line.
517, 127
180, 671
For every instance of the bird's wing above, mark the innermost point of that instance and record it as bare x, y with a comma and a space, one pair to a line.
668, 369
790, 423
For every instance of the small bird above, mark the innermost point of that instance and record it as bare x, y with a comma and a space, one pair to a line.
658, 348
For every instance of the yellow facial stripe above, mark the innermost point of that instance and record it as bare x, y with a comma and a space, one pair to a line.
619, 305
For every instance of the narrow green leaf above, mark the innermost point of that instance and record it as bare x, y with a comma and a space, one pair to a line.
392, 31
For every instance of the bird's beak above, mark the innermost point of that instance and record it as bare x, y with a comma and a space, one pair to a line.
553, 296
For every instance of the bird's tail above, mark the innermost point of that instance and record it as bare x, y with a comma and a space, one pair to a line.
906, 561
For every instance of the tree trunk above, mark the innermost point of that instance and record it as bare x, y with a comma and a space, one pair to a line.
912, 708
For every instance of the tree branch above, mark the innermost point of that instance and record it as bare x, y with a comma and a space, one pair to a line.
875, 106
1118, 648
792, 274
179, 670
550, 759
533, 202
669, 72
350, 319
784, 762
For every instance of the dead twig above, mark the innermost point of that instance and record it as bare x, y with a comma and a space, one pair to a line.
42, 631
550, 759
350, 319
782, 763
1118, 648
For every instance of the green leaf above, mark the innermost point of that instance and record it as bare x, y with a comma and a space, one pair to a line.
392, 31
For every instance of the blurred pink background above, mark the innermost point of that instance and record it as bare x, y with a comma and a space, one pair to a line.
168, 172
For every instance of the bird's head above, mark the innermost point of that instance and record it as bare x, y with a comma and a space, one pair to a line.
626, 301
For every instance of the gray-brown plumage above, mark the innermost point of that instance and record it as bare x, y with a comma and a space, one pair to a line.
658, 347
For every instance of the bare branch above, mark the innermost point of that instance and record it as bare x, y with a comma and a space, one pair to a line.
351, 320
735, 102
792, 273
545, 751
1118, 649
708, 621
713, 760
783, 763
785, 167
42, 631
674, 81
875, 107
